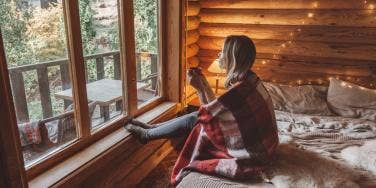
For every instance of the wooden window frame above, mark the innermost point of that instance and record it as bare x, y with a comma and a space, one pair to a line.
169, 69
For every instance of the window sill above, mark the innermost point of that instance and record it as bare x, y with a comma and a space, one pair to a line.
77, 161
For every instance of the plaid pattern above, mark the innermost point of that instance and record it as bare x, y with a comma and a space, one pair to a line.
29, 133
236, 135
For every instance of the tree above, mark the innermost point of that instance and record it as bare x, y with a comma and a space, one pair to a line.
13, 24
146, 31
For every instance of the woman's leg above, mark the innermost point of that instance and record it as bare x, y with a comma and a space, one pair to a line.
172, 128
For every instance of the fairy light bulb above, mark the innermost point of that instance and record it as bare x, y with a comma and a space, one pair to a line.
263, 62
371, 6
315, 4
310, 15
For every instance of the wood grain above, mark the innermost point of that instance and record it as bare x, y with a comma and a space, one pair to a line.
355, 35
315, 66
174, 25
354, 18
146, 166
77, 67
193, 8
193, 62
128, 47
193, 23
44, 91
12, 169
325, 60
313, 49
192, 37
287, 4
192, 50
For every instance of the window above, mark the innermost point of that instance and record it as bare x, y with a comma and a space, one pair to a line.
73, 76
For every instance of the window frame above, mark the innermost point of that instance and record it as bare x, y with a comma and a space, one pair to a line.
77, 74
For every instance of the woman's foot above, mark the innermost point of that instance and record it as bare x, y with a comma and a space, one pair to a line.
140, 133
139, 123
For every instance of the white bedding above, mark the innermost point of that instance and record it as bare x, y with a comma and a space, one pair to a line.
348, 140
325, 135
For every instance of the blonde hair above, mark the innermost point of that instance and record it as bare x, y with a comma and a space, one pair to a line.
237, 57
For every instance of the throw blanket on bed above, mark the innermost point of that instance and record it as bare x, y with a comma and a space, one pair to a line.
236, 135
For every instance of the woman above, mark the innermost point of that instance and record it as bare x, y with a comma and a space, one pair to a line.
234, 135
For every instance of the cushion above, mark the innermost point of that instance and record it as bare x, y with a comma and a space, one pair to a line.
350, 100
29, 133
306, 99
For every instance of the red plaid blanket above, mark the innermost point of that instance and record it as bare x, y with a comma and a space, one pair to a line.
235, 136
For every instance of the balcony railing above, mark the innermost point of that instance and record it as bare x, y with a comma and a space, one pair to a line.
18, 84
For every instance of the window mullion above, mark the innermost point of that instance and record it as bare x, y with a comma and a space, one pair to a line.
128, 54
77, 66
13, 171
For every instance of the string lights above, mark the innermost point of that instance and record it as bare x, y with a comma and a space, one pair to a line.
283, 46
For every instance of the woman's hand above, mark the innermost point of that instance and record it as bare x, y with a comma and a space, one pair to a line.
195, 79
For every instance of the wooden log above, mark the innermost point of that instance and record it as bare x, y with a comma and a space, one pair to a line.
192, 50
193, 62
18, 89
65, 81
354, 18
44, 91
146, 166
193, 23
117, 68
100, 68
308, 65
294, 33
314, 49
192, 37
13, 172
288, 4
113, 174
297, 78
299, 58
193, 8
154, 69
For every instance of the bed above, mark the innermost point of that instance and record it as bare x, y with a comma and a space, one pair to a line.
322, 143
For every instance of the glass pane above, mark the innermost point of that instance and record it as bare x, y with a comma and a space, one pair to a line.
100, 37
146, 16
36, 51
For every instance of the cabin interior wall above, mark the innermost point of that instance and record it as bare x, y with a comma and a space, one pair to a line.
298, 42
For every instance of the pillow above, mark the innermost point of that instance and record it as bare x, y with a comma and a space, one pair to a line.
29, 133
307, 99
350, 100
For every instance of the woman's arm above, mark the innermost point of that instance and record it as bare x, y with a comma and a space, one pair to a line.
209, 94
199, 82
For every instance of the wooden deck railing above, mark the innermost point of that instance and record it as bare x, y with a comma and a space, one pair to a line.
18, 84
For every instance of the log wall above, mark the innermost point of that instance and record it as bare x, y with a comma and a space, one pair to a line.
192, 37
297, 41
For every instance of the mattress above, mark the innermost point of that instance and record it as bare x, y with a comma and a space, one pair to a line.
326, 135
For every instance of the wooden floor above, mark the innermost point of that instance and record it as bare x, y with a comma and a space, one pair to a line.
160, 176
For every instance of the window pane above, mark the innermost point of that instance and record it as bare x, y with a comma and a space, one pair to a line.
36, 51
100, 37
146, 16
